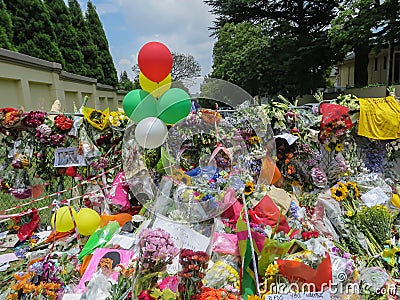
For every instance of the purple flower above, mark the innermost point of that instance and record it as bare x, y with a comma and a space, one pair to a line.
57, 139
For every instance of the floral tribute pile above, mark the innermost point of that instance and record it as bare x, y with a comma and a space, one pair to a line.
314, 207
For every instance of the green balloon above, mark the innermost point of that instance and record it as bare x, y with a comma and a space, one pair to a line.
132, 100
173, 106
146, 108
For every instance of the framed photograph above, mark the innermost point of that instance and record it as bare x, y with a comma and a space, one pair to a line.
68, 157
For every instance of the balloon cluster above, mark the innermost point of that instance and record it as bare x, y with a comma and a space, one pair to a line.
87, 220
156, 104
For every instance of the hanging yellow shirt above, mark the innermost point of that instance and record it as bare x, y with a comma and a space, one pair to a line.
379, 118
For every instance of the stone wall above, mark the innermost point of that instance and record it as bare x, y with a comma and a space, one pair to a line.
34, 84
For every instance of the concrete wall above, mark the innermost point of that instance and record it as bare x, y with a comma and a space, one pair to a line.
34, 84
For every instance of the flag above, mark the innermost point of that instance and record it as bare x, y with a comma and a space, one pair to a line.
248, 283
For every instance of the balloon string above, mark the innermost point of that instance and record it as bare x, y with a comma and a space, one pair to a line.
215, 125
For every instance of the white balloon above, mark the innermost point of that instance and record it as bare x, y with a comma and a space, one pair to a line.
151, 133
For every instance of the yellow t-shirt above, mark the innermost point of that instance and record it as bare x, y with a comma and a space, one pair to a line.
379, 118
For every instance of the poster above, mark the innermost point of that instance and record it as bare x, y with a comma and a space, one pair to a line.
106, 259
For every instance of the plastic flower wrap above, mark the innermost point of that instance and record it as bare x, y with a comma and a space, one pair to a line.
21, 188
98, 119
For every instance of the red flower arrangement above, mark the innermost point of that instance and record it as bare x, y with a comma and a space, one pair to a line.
194, 265
33, 119
63, 123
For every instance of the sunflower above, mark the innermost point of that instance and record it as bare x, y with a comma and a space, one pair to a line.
353, 186
339, 147
327, 148
180, 176
249, 188
338, 193
254, 140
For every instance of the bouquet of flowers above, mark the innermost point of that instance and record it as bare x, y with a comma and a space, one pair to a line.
63, 123
118, 119
10, 117
157, 251
33, 119
97, 118
194, 265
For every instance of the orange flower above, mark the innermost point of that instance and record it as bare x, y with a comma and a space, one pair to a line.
52, 295
28, 287
291, 170
12, 296
53, 286
213, 294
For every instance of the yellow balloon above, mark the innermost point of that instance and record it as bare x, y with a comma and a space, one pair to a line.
155, 88
64, 221
87, 221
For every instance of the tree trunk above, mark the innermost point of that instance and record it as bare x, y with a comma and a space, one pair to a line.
361, 65
390, 63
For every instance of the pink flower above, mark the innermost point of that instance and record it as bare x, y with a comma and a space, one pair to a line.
170, 282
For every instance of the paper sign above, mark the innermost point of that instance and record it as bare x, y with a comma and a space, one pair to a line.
10, 241
71, 296
290, 138
8, 257
3, 234
183, 236
124, 241
66, 157
299, 296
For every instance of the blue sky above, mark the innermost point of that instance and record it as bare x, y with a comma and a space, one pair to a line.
182, 25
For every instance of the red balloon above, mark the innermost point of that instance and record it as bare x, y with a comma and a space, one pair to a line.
155, 61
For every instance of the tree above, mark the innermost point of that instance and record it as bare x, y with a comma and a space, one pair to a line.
66, 36
100, 40
6, 30
124, 82
33, 31
297, 33
85, 42
184, 66
238, 55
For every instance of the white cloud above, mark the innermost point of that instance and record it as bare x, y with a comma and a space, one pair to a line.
182, 25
